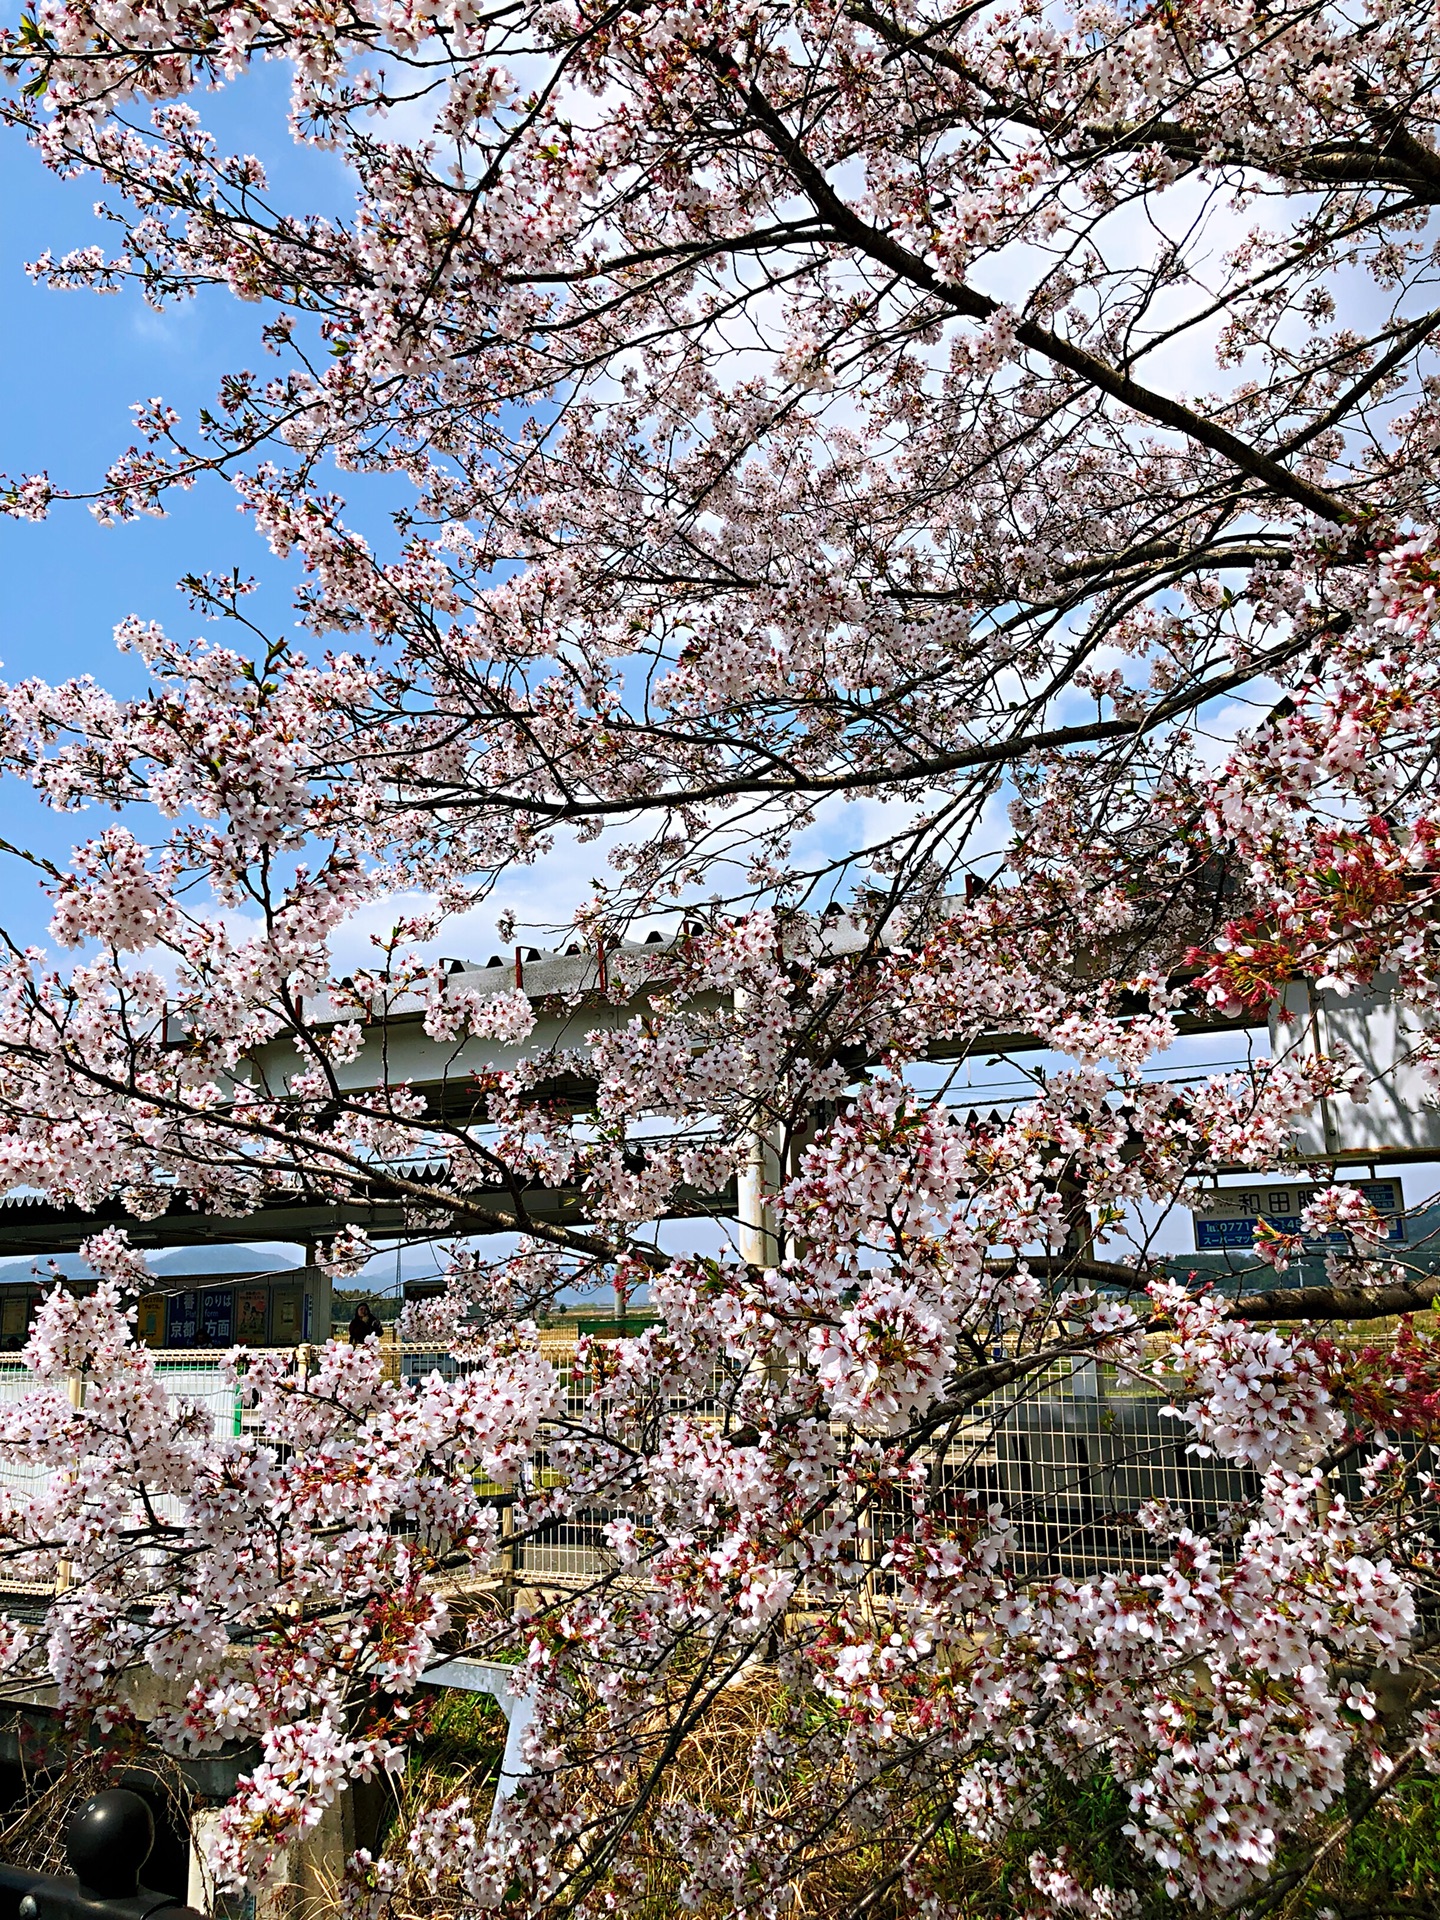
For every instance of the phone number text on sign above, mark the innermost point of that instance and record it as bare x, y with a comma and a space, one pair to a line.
1231, 1213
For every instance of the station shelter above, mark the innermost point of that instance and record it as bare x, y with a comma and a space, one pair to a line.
191, 1311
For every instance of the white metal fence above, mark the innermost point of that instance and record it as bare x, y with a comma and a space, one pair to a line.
1070, 1460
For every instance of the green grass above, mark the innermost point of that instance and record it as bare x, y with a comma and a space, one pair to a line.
1391, 1863
462, 1730
1083, 1818
459, 1752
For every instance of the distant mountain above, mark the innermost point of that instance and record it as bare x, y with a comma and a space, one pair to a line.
257, 1259
378, 1279
420, 1262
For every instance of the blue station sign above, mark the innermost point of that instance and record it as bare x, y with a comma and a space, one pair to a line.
1229, 1217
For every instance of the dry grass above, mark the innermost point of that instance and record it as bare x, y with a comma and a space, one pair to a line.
836, 1869
1390, 1871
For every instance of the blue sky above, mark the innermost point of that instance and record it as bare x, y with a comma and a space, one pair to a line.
76, 364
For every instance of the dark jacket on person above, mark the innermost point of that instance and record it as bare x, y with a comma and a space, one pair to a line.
364, 1326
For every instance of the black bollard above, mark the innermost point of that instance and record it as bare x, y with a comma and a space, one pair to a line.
107, 1844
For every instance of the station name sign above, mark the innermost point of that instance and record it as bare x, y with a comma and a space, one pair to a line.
1229, 1216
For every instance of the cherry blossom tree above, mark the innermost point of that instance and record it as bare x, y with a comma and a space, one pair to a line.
858, 461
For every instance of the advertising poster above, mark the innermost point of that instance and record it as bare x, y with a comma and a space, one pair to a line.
15, 1320
150, 1320
250, 1315
285, 1320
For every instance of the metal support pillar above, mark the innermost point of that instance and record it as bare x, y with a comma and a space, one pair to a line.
759, 1180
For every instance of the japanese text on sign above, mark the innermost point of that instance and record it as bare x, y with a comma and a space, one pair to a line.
1230, 1214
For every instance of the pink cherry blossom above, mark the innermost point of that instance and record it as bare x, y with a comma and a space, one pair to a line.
932, 510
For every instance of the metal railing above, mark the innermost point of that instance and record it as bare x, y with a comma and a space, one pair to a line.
1068, 1461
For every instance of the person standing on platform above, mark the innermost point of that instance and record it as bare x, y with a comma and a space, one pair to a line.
363, 1326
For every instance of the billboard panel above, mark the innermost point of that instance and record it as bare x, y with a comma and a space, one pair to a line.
182, 1319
